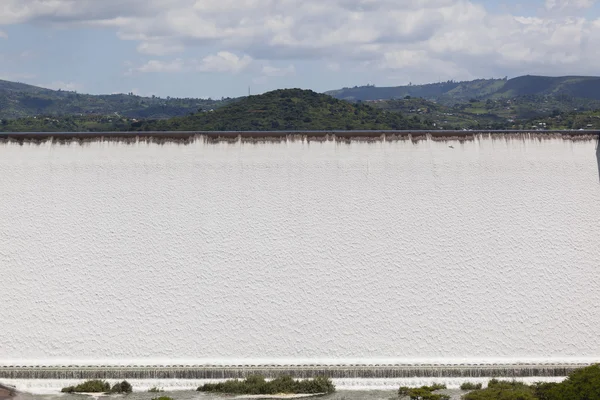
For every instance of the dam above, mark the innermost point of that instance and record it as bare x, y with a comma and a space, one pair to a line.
132, 256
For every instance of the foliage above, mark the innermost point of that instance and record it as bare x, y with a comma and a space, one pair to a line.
582, 384
256, 384
19, 100
502, 390
521, 103
91, 386
163, 398
122, 387
461, 91
423, 392
155, 390
451, 92
289, 109
48, 123
470, 386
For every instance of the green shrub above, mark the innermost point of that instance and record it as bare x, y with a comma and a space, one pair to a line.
434, 387
470, 386
544, 390
123, 387
424, 392
163, 398
258, 385
92, 386
404, 391
582, 384
502, 390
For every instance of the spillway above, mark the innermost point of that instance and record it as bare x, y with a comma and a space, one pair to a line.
212, 372
295, 249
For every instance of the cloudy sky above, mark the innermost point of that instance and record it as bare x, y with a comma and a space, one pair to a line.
215, 48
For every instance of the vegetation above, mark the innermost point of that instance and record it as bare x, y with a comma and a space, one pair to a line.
423, 392
48, 123
523, 112
122, 387
257, 385
288, 109
91, 386
163, 398
155, 390
18, 100
452, 92
529, 102
582, 384
502, 390
99, 386
470, 386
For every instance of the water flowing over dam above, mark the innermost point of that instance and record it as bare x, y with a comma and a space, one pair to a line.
298, 371
293, 249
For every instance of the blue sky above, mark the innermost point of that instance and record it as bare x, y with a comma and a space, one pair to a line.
220, 48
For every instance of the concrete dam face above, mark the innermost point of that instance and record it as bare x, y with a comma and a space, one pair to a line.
300, 250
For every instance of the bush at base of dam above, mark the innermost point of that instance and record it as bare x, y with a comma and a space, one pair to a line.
259, 385
99, 386
470, 386
92, 386
122, 387
423, 392
581, 384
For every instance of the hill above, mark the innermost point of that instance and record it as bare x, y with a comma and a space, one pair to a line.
451, 92
289, 109
19, 100
587, 87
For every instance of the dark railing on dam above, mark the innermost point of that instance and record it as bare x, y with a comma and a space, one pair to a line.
187, 136
296, 371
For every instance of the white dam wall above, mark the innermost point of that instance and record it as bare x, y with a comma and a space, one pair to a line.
295, 250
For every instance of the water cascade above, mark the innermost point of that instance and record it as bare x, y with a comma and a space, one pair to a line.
297, 371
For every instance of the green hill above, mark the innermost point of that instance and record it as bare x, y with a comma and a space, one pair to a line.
289, 109
19, 100
575, 86
451, 92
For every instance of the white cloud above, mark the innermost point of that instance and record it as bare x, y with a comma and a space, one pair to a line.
569, 4
453, 39
176, 65
271, 71
224, 61
221, 62
3, 35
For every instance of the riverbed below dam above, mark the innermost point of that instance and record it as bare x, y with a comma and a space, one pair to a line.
445, 249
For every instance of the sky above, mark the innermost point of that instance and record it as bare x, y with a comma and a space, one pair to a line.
225, 48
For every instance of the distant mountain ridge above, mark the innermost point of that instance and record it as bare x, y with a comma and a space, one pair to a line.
19, 100
452, 92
